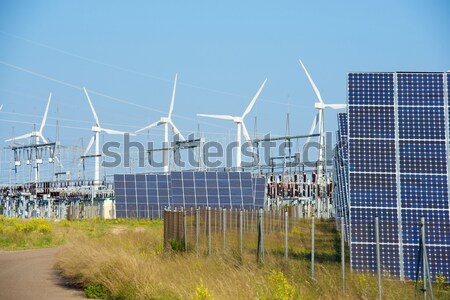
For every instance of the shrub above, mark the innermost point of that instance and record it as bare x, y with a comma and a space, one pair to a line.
44, 228
176, 245
202, 292
279, 286
96, 291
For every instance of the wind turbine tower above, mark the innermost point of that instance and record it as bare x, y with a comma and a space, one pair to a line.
97, 129
166, 121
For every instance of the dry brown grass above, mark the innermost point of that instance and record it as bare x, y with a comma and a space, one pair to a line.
133, 265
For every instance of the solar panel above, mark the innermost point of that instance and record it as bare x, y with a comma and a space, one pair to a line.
259, 192
341, 173
398, 169
146, 195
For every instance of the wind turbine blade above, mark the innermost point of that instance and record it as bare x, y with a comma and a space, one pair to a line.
111, 131
250, 106
1, 106
176, 131
91, 142
222, 117
316, 90
45, 113
149, 126
92, 108
246, 135
249, 141
20, 137
173, 97
42, 137
313, 128
336, 106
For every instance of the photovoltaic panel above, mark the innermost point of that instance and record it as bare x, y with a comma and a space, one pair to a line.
340, 173
398, 169
259, 192
146, 195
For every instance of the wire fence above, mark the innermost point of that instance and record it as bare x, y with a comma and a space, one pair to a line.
243, 232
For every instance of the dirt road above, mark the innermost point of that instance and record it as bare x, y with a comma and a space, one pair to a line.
29, 274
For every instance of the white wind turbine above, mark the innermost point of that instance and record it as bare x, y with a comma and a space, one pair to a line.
240, 126
319, 118
36, 134
166, 121
96, 138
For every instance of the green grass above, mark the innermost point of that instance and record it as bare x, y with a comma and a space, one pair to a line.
126, 259
21, 234
134, 265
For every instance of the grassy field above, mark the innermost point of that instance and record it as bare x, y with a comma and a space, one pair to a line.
125, 259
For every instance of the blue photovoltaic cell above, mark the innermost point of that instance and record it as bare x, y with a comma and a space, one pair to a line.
398, 154
146, 195
259, 192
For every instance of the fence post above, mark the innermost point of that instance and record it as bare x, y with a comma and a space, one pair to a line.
260, 250
312, 247
166, 227
279, 220
240, 231
231, 219
224, 230
377, 249
209, 230
251, 225
185, 231
220, 219
197, 228
215, 220
286, 245
192, 227
343, 253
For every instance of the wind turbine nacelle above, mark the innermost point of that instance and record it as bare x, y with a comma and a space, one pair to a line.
164, 120
17, 163
319, 105
39, 161
237, 120
28, 162
96, 129
51, 160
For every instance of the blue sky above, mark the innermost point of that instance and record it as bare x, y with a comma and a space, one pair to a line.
129, 51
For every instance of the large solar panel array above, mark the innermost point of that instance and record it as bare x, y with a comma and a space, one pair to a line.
146, 195
398, 169
141, 195
340, 173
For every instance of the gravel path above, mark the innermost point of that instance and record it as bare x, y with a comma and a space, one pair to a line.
29, 274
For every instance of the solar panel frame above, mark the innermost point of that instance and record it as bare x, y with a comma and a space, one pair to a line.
399, 157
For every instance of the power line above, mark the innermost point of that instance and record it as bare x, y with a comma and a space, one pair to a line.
101, 94
128, 70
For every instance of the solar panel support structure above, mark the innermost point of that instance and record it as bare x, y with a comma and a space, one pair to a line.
240, 233
197, 229
224, 226
343, 254
185, 231
312, 247
377, 249
286, 241
397, 172
426, 278
209, 229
